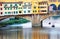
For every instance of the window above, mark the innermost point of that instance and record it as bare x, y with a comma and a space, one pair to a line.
16, 11
24, 11
0, 8
34, 11
8, 12
28, 11
10, 5
39, 3
42, 7
5, 12
15, 4
34, 7
20, 12
38, 6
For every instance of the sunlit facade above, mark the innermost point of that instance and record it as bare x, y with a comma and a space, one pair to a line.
20, 7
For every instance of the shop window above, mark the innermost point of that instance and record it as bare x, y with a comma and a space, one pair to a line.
20, 11
14, 12
11, 5
15, 8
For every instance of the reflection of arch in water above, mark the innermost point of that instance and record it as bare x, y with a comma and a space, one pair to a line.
54, 6
59, 7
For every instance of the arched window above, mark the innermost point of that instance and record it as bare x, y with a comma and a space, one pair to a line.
54, 6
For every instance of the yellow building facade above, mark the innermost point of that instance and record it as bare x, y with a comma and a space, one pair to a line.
36, 8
